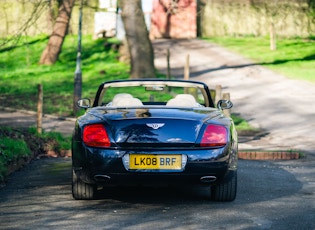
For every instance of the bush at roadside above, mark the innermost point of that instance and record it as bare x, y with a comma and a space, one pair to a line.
21, 143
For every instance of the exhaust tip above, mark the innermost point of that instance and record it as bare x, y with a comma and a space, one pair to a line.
102, 178
208, 179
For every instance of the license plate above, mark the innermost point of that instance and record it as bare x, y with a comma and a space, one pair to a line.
144, 161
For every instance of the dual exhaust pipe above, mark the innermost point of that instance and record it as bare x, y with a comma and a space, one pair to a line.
106, 178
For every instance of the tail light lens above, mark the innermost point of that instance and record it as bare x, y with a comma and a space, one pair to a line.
214, 136
96, 136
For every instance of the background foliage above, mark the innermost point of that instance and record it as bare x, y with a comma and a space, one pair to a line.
215, 17
241, 17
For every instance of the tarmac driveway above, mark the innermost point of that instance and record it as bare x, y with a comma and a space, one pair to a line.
271, 195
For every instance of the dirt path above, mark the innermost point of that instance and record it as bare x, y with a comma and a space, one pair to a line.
17, 118
284, 108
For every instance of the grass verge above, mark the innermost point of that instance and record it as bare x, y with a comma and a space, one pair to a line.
294, 58
21, 143
20, 73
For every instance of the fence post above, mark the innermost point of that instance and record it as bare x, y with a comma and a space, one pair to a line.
273, 42
40, 108
227, 112
218, 93
186, 72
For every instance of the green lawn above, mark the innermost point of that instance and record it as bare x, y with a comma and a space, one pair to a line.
294, 58
20, 73
24, 143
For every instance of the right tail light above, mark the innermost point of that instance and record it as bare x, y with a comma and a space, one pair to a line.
214, 136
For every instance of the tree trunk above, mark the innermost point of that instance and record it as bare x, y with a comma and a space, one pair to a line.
53, 48
139, 44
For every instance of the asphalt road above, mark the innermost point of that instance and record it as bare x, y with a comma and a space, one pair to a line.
271, 195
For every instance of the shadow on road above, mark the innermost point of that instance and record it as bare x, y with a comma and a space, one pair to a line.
257, 181
40, 195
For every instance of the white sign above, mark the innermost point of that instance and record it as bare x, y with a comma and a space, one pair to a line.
105, 23
110, 5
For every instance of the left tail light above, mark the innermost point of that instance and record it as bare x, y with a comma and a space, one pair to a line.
95, 135
214, 136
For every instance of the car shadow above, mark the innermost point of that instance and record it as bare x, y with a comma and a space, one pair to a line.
40, 195
258, 181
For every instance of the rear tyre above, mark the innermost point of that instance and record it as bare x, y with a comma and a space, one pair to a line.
226, 190
81, 190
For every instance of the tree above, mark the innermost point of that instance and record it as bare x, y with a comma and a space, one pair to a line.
139, 44
36, 9
53, 48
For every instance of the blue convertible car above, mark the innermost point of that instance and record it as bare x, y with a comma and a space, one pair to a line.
154, 132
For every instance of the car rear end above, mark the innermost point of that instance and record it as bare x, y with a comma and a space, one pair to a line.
190, 146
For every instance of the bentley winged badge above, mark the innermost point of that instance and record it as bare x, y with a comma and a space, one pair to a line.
155, 125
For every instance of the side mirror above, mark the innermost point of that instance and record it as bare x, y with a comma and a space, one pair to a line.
224, 104
84, 103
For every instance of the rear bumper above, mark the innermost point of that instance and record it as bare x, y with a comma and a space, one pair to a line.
127, 179
105, 167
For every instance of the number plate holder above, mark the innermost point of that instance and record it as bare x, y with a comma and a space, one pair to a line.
173, 162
